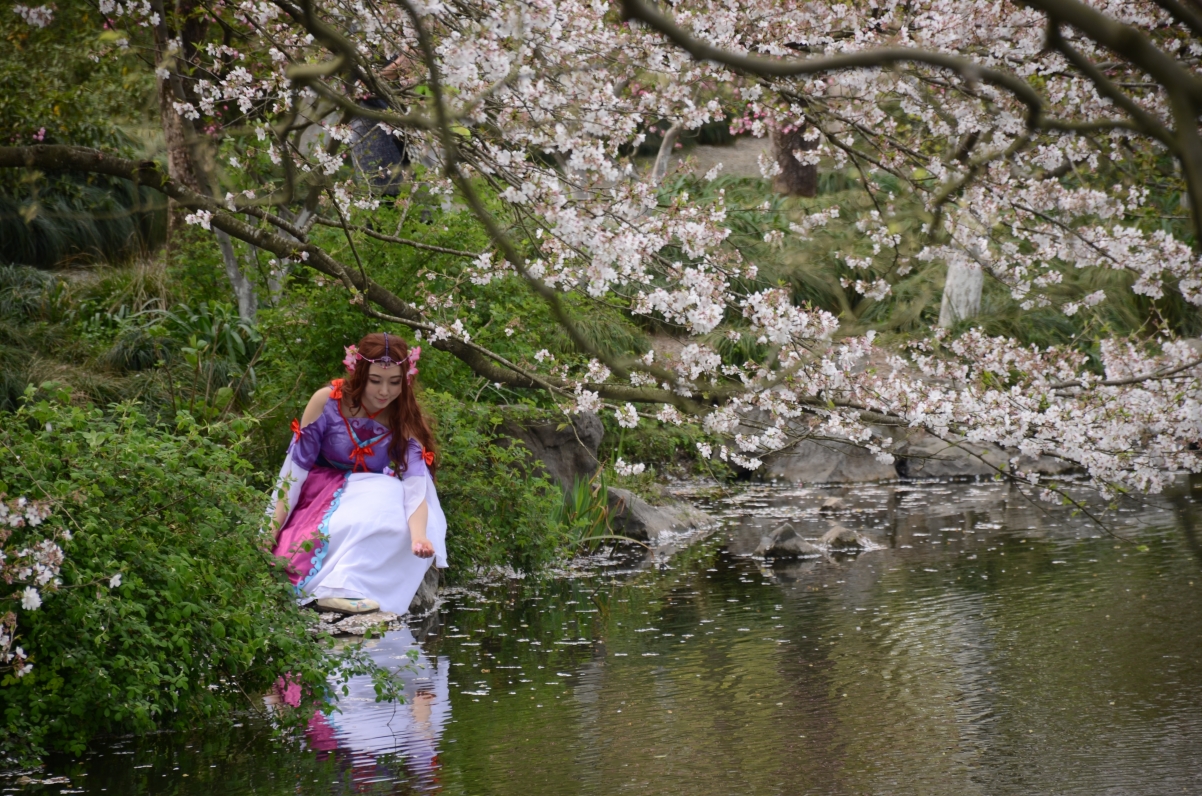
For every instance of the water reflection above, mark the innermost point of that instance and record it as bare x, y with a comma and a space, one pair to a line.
989, 646
370, 739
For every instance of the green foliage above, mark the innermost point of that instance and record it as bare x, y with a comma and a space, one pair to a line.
71, 78
606, 329
114, 335
87, 218
201, 619
25, 294
209, 346
671, 449
500, 512
40, 341
86, 90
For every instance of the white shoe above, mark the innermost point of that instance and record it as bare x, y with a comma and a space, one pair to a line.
344, 605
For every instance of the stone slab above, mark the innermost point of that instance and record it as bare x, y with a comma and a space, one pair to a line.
630, 515
812, 462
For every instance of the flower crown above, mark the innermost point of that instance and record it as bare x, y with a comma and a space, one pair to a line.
353, 357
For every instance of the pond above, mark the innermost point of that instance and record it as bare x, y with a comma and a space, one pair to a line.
985, 645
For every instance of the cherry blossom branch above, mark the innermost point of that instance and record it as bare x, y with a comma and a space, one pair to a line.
1156, 375
1184, 88
879, 57
467, 190
1188, 17
554, 96
1145, 121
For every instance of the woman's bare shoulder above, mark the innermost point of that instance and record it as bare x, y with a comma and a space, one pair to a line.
315, 406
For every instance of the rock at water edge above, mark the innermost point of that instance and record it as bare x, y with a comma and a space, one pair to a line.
427, 593
923, 455
633, 517
811, 462
840, 538
831, 505
359, 624
568, 454
784, 541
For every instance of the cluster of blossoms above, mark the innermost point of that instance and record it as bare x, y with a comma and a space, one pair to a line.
37, 17
621, 467
31, 570
543, 100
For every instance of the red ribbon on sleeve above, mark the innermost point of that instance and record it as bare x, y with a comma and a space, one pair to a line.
295, 429
427, 457
336, 389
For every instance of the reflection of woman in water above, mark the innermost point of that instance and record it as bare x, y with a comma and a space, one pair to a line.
358, 518
364, 735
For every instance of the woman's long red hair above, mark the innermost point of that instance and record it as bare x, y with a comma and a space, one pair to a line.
403, 415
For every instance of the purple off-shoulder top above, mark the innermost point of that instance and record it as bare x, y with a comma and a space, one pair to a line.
325, 442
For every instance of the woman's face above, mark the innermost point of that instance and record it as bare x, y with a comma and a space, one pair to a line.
383, 385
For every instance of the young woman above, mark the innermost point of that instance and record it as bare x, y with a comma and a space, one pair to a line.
358, 518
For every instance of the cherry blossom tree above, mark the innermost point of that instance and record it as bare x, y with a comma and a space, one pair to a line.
1030, 134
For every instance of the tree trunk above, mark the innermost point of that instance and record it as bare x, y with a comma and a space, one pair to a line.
244, 289
189, 155
276, 279
961, 293
795, 178
177, 131
179, 155
664, 157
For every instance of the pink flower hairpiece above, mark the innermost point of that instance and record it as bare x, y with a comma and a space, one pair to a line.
353, 357
415, 354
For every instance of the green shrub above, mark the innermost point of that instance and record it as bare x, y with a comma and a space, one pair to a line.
201, 620
499, 512
669, 449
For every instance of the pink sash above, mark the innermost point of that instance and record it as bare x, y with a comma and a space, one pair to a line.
303, 540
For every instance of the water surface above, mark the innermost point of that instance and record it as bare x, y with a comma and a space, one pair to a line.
988, 646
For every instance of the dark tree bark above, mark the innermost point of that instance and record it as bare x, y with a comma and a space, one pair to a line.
795, 178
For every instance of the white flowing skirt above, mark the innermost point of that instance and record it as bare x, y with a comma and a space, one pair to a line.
369, 551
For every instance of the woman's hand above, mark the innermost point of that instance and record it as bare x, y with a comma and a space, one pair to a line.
417, 532
422, 548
